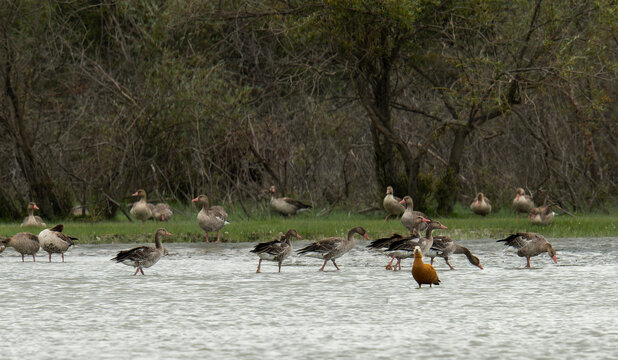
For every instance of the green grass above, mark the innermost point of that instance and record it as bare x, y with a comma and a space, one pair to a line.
263, 227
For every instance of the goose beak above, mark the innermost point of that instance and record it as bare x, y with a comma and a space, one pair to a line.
168, 233
480, 266
299, 237
426, 220
134, 194
194, 200
162, 217
517, 197
443, 227
36, 207
402, 202
555, 259
366, 236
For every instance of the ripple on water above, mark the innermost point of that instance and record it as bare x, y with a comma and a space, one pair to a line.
206, 301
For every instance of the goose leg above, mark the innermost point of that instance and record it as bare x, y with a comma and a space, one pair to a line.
218, 236
207, 237
397, 265
528, 261
279, 266
62, 257
386, 218
334, 263
22, 257
136, 270
322, 268
142, 271
259, 264
389, 267
49, 257
449, 264
431, 263
33, 259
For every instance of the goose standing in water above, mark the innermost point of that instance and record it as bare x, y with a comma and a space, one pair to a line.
529, 245
421, 272
24, 243
143, 256
384, 244
141, 210
407, 219
333, 247
444, 247
542, 215
55, 242
481, 205
286, 206
522, 203
210, 219
404, 248
31, 219
392, 204
276, 250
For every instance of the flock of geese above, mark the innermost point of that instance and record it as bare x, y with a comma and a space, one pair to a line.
396, 247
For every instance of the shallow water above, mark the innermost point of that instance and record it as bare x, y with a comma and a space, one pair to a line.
205, 301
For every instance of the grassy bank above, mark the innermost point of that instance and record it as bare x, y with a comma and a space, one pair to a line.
460, 226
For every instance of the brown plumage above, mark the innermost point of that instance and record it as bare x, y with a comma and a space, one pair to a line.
276, 250
210, 218
423, 273
444, 247
384, 244
529, 245
392, 204
332, 248
143, 256
31, 219
162, 212
141, 210
543, 215
481, 205
522, 203
404, 248
286, 206
55, 242
24, 243
407, 219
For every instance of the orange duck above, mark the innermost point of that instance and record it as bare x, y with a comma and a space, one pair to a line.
423, 273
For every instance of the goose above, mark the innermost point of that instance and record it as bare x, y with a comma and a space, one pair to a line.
407, 219
421, 272
444, 247
210, 219
392, 204
404, 248
333, 247
31, 219
162, 212
384, 243
24, 243
286, 206
522, 203
276, 250
143, 256
141, 209
54, 241
480, 205
529, 245
542, 215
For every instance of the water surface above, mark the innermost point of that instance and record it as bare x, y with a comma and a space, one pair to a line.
205, 301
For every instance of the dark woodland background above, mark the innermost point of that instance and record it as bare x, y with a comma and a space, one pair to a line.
331, 101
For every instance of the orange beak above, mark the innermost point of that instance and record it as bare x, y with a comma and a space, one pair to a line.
426, 220
194, 200
299, 237
162, 217
366, 236
479, 203
555, 259
480, 266
517, 197
402, 202
443, 227
167, 232
134, 194
36, 207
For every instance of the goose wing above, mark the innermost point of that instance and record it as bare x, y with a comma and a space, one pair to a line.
322, 246
135, 254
